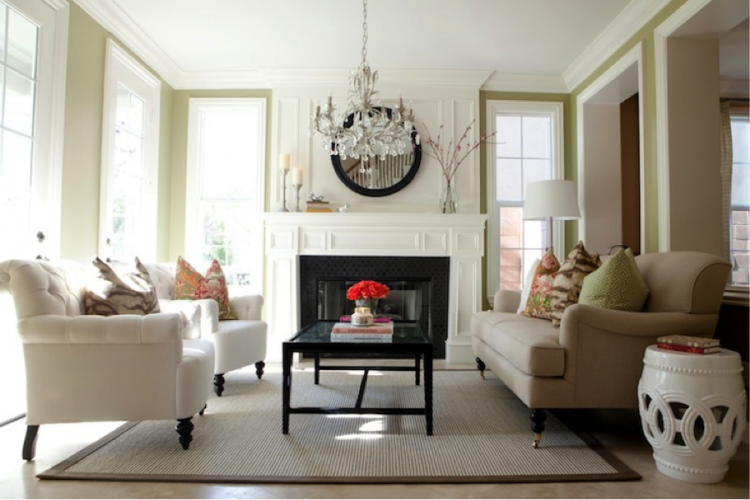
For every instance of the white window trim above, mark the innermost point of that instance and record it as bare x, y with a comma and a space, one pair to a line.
192, 207
121, 67
555, 112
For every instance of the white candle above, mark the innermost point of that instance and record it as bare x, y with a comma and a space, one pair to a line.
284, 161
297, 176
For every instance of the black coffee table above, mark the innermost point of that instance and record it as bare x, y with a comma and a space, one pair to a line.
408, 339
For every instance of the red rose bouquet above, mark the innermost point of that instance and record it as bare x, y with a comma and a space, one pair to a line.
367, 290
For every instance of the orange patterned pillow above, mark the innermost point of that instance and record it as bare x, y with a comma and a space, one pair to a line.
539, 304
190, 284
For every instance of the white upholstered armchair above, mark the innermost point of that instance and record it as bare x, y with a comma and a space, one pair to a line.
94, 368
238, 343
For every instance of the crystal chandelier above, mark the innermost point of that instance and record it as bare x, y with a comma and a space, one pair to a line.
366, 129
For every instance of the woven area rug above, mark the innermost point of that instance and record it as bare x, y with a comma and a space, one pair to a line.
481, 434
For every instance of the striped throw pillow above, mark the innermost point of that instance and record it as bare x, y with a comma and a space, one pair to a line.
132, 293
569, 280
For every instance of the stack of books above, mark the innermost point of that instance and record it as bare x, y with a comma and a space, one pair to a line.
685, 343
378, 318
346, 332
320, 206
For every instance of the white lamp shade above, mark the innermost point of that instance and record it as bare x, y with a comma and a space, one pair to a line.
554, 199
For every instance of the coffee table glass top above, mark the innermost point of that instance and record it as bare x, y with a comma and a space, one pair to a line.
404, 332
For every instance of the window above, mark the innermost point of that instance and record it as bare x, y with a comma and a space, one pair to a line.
528, 148
226, 164
130, 159
740, 200
31, 127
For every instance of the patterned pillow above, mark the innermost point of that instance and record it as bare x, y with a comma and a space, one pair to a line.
618, 284
539, 303
190, 284
131, 293
569, 280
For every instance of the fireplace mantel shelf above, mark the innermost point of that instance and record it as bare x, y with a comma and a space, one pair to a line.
458, 236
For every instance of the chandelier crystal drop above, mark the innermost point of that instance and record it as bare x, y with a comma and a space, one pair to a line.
366, 129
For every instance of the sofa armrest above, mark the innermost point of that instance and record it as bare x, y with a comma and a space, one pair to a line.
248, 307
209, 316
507, 301
190, 311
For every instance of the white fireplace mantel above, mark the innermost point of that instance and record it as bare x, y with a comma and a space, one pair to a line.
458, 236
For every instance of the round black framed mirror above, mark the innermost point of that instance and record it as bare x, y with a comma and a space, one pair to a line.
382, 177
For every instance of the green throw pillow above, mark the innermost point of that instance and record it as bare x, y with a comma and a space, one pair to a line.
617, 284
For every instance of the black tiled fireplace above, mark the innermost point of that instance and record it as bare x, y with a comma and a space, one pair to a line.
419, 289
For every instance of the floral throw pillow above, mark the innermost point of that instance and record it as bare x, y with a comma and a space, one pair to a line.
130, 293
189, 284
539, 304
569, 280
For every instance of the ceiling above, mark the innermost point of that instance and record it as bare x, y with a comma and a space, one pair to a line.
194, 43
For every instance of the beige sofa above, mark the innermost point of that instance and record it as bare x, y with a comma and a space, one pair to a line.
595, 358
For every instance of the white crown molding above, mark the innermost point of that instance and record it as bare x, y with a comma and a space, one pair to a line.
401, 77
250, 79
618, 32
526, 83
57, 4
113, 19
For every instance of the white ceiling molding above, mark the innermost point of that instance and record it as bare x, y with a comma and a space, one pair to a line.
619, 31
113, 19
526, 83
57, 4
221, 80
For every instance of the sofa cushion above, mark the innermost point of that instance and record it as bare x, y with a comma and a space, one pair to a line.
618, 284
531, 345
569, 280
539, 303
129, 293
190, 284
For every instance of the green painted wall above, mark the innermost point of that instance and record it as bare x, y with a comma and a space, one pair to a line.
646, 36
179, 157
84, 93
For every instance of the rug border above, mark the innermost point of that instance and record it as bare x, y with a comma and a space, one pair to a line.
58, 472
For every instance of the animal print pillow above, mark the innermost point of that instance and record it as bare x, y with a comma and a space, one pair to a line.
569, 280
538, 305
132, 293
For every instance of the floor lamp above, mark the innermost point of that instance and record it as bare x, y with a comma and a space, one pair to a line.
551, 200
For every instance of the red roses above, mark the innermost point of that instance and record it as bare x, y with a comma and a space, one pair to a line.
367, 290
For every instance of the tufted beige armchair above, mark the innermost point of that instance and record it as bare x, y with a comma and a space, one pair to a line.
83, 368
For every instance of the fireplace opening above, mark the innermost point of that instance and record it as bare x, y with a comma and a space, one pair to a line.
419, 290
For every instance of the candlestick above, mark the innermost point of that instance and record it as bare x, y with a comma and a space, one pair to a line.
297, 176
296, 196
284, 161
283, 196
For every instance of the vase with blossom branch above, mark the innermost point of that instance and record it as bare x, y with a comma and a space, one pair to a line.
450, 158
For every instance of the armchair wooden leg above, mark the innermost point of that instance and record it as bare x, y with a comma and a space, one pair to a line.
203, 410
259, 369
219, 384
184, 429
538, 417
29, 443
480, 366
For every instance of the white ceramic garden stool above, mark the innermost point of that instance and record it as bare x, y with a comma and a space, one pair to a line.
692, 409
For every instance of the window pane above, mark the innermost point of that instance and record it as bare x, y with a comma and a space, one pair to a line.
509, 180
741, 184
227, 233
508, 136
229, 150
535, 170
15, 185
19, 103
22, 36
129, 112
3, 15
536, 137
740, 140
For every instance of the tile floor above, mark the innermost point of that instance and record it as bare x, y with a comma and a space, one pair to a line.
618, 430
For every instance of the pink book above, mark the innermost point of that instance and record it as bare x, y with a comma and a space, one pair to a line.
386, 329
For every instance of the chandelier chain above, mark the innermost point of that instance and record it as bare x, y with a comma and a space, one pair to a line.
364, 32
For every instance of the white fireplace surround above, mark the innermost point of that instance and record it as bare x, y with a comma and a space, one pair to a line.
458, 236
